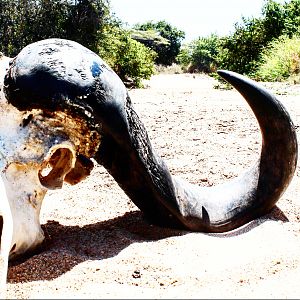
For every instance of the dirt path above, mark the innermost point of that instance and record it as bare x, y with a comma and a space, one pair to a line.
100, 247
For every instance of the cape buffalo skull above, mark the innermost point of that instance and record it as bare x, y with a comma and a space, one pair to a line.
61, 105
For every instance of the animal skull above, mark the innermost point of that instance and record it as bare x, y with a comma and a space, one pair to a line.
38, 152
61, 105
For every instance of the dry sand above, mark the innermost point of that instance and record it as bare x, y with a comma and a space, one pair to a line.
99, 246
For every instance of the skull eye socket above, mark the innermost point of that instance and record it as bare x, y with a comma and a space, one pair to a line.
54, 170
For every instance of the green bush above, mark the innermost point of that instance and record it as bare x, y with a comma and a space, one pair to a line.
241, 50
88, 22
280, 60
27, 21
184, 58
131, 60
200, 55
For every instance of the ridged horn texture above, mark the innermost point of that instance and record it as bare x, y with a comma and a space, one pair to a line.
62, 75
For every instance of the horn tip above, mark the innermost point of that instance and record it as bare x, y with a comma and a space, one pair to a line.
227, 74
238, 80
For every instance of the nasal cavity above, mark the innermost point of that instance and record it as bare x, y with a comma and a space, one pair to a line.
55, 169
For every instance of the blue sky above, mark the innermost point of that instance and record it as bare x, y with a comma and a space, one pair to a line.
195, 17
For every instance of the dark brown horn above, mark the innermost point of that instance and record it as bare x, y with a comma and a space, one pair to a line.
279, 140
169, 201
37, 79
254, 193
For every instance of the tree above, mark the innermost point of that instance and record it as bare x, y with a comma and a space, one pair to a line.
131, 60
167, 52
292, 18
86, 21
26, 21
241, 50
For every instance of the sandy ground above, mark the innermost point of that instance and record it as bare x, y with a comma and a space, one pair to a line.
99, 246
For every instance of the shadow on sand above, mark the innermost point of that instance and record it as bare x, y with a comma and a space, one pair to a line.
73, 245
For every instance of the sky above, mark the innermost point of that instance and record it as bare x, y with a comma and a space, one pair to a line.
195, 17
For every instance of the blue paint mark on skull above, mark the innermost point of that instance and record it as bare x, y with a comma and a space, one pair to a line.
96, 69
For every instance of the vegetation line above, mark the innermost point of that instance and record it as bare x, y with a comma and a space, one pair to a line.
266, 48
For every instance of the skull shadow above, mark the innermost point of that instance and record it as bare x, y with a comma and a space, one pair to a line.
75, 244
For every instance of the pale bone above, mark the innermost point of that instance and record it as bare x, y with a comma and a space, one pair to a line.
24, 155
6, 237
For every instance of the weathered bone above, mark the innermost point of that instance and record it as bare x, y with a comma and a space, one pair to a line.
59, 93
29, 144
6, 237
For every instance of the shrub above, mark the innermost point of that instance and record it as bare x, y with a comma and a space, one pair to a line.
280, 60
88, 22
131, 60
184, 58
205, 51
200, 55
241, 50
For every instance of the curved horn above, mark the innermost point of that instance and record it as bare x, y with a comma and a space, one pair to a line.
62, 75
254, 193
171, 201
